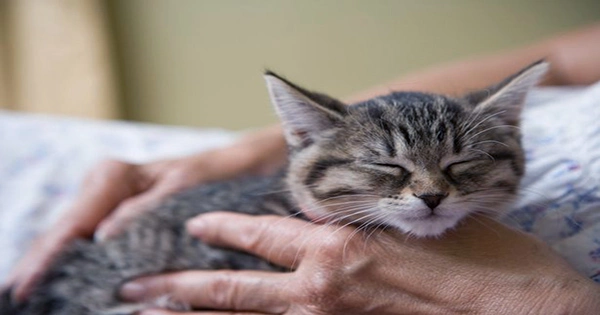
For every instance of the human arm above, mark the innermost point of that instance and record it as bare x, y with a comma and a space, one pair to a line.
573, 57
481, 267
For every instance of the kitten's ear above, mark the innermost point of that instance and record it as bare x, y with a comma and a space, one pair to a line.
304, 115
506, 98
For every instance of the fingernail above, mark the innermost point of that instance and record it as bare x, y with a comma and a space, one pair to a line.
196, 226
132, 291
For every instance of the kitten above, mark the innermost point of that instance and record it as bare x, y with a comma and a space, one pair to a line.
416, 162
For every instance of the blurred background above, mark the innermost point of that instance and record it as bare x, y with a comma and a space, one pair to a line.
199, 62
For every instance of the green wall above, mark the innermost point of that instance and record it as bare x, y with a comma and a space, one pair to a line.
199, 63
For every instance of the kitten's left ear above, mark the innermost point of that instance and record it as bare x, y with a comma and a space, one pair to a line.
305, 115
506, 98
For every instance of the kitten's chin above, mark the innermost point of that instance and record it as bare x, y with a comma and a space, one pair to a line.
427, 227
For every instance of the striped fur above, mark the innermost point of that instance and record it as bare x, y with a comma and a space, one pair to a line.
418, 162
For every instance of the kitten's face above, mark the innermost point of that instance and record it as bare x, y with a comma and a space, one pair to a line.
412, 161
416, 162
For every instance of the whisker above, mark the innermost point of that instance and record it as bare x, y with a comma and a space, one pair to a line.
482, 121
474, 217
490, 129
485, 153
487, 141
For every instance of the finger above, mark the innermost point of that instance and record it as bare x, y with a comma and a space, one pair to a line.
122, 216
33, 265
257, 291
107, 186
131, 208
25, 281
277, 239
104, 187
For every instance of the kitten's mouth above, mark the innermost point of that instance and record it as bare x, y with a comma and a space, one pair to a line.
428, 217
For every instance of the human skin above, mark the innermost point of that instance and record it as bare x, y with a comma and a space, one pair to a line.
116, 191
482, 267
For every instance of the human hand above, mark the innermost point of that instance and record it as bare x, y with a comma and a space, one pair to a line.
112, 193
115, 192
481, 267
259, 152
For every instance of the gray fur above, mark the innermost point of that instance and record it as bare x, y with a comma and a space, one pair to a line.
413, 161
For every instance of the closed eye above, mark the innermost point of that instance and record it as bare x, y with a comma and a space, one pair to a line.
459, 163
466, 166
389, 165
394, 169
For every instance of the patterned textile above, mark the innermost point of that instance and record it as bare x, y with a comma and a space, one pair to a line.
560, 198
43, 160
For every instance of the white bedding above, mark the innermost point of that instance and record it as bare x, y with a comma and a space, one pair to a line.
43, 159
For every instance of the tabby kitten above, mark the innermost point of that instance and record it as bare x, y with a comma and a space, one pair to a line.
412, 161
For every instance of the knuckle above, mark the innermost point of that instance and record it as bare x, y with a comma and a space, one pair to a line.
254, 236
127, 208
166, 284
107, 170
179, 176
331, 248
333, 243
222, 290
322, 289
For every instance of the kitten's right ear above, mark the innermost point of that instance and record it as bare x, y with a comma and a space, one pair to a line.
506, 98
304, 115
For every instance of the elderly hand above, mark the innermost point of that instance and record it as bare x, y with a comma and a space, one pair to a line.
115, 192
481, 267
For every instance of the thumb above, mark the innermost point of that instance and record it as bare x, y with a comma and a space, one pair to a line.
132, 207
122, 216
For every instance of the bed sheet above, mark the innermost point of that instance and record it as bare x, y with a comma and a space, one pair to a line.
43, 160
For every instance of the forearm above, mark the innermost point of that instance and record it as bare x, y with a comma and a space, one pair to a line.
266, 147
573, 56
257, 152
576, 295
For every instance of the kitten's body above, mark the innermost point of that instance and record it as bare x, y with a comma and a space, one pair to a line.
85, 278
411, 161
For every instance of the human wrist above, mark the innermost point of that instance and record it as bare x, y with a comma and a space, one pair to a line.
573, 296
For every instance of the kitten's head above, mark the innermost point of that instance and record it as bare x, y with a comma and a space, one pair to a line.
413, 161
